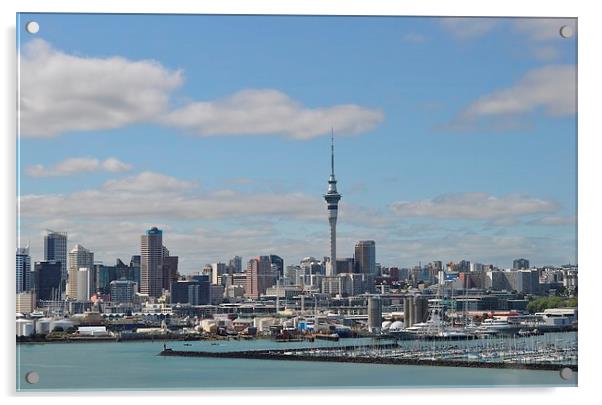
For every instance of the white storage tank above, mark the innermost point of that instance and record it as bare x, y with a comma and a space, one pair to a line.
24, 327
43, 326
386, 325
61, 323
397, 325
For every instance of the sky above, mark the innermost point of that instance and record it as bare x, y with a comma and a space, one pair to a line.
455, 138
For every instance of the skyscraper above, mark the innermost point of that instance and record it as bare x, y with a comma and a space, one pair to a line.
332, 198
151, 261
79, 258
24, 275
520, 264
259, 276
278, 265
48, 280
365, 256
55, 249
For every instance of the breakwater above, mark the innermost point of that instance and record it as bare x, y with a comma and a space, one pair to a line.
305, 355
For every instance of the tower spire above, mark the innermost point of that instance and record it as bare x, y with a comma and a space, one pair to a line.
332, 151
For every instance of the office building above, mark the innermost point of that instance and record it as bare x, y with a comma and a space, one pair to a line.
259, 276
235, 264
277, 263
79, 257
520, 264
194, 292
151, 262
123, 291
24, 276
48, 278
365, 257
55, 249
170, 271
84, 284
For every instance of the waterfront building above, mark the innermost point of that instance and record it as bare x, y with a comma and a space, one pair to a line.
194, 292
151, 261
26, 302
55, 249
520, 264
79, 257
24, 276
123, 291
259, 276
365, 257
332, 198
48, 278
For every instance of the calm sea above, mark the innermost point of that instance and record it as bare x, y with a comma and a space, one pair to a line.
136, 366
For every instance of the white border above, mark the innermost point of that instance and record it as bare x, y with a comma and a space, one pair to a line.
589, 182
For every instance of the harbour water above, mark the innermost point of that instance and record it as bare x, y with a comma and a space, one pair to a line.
137, 366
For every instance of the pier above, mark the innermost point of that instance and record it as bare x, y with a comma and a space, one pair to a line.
370, 354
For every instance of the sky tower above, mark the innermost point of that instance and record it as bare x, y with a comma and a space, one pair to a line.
332, 198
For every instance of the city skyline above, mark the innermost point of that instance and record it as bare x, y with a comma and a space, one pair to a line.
427, 169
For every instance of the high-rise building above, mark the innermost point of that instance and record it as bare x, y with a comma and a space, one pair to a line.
365, 257
217, 271
277, 265
170, 271
123, 291
135, 265
520, 264
48, 280
235, 264
259, 276
24, 275
55, 249
151, 262
84, 284
79, 257
332, 198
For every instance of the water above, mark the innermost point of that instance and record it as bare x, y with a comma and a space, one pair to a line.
136, 366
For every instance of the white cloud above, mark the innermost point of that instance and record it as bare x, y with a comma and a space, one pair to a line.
148, 182
77, 165
543, 29
468, 27
551, 89
63, 93
268, 111
473, 206
554, 220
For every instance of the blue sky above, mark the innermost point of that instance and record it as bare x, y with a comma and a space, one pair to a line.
455, 138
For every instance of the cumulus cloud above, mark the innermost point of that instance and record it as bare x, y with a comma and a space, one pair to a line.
61, 93
551, 89
148, 182
468, 27
474, 206
268, 111
160, 197
78, 165
554, 220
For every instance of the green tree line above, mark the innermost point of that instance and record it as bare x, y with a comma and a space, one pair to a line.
540, 304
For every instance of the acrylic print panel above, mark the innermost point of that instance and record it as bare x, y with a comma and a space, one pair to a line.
203, 196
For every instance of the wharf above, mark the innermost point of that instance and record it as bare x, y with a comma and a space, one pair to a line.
297, 355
